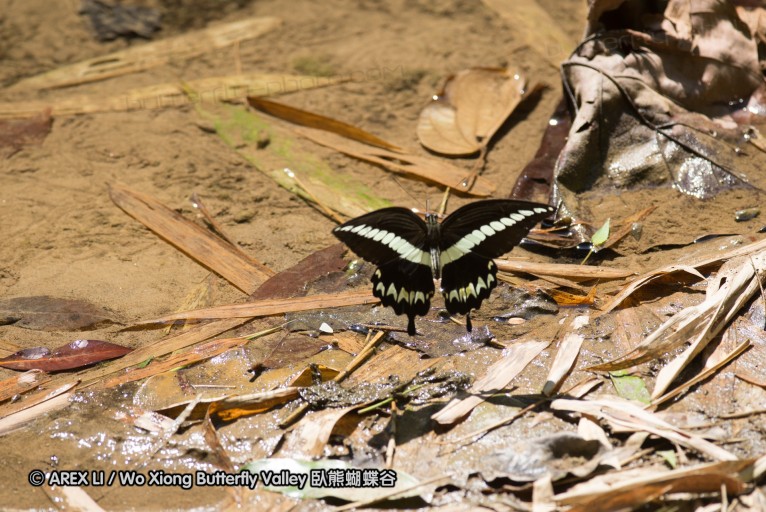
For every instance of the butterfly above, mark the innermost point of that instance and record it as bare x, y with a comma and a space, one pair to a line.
411, 253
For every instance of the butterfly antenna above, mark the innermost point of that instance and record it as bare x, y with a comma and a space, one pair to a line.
415, 200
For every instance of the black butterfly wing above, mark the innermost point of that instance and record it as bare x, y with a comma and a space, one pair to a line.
490, 228
386, 235
395, 240
465, 286
470, 237
405, 286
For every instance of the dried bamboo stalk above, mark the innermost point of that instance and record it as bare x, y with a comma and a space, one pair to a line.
149, 55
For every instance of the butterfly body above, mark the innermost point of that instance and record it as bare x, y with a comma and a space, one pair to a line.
411, 253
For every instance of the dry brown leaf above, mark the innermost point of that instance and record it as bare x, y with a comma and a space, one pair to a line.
268, 307
422, 167
135, 416
197, 243
569, 271
45, 313
396, 360
498, 376
17, 133
235, 407
627, 416
292, 281
536, 178
563, 298
306, 377
626, 489
689, 267
199, 353
160, 348
35, 399
167, 95
750, 378
145, 56
709, 370
473, 105
312, 120
216, 450
734, 286
566, 355
22, 418
309, 437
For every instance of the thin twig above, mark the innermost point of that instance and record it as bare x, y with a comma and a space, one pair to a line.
391, 448
742, 414
477, 168
203, 209
326, 210
760, 285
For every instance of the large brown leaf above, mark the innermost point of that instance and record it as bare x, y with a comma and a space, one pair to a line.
46, 313
462, 119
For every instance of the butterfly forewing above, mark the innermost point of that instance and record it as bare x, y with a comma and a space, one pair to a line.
386, 235
490, 228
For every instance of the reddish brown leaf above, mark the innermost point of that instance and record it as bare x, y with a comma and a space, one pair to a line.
44, 313
76, 354
293, 281
534, 182
15, 133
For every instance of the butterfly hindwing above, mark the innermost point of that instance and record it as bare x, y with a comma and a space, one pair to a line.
467, 283
386, 235
406, 287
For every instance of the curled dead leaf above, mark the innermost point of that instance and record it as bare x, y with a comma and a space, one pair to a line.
475, 102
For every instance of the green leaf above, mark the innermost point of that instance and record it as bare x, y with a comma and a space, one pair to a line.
670, 457
630, 386
145, 363
332, 472
600, 237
